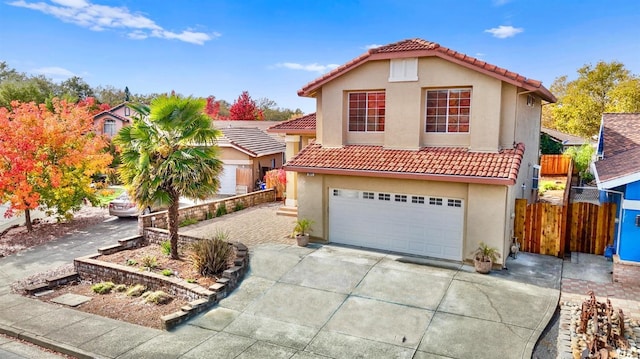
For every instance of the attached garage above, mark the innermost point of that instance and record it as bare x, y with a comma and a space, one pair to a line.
228, 180
399, 222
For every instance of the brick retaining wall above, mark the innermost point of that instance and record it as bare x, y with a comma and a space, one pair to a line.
625, 272
207, 210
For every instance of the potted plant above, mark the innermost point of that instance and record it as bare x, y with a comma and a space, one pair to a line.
301, 231
484, 257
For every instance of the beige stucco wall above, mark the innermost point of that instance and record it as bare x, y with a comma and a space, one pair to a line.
485, 205
405, 102
230, 155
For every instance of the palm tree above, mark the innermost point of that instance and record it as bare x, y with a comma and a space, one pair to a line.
169, 152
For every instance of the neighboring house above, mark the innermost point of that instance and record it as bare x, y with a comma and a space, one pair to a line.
617, 173
297, 133
109, 122
420, 150
247, 154
564, 139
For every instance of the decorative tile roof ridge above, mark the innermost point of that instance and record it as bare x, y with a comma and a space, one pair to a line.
428, 48
302, 125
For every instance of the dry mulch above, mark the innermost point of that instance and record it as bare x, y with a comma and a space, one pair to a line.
113, 305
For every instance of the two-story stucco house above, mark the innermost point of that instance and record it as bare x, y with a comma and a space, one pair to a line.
419, 150
109, 122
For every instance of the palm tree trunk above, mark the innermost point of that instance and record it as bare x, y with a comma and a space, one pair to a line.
173, 226
27, 219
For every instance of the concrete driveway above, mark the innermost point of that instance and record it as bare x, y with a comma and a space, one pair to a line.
328, 301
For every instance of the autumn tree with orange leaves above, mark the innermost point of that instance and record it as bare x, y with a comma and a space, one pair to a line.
47, 158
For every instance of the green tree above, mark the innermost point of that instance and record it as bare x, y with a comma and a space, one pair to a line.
549, 146
75, 89
169, 151
581, 102
36, 89
582, 157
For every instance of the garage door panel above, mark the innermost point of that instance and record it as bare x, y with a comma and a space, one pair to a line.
428, 226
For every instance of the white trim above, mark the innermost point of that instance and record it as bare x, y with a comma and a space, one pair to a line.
620, 181
237, 162
631, 204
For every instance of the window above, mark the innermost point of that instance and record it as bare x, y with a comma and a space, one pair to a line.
366, 111
403, 69
435, 201
454, 203
367, 195
448, 110
384, 197
336, 193
127, 111
535, 177
400, 198
417, 199
109, 127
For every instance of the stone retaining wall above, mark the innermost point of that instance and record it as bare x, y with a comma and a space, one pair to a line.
90, 268
207, 210
625, 272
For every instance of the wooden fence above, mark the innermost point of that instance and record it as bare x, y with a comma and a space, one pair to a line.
546, 228
554, 165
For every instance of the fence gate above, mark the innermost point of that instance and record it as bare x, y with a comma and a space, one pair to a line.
546, 228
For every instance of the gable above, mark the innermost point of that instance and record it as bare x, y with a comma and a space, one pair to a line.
418, 48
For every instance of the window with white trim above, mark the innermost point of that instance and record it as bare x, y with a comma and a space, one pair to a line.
403, 69
448, 110
435, 201
454, 203
366, 111
367, 195
384, 197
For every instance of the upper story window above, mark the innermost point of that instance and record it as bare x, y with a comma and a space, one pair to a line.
366, 111
403, 69
109, 127
448, 110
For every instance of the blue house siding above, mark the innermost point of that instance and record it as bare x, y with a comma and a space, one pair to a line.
629, 231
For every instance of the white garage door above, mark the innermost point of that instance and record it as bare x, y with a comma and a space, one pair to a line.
228, 180
414, 224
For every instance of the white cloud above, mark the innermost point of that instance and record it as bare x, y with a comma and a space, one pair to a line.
102, 17
309, 67
372, 46
56, 73
502, 32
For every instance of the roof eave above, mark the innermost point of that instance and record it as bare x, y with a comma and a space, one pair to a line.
293, 131
403, 175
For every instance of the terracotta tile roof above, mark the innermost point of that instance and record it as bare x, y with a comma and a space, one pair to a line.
112, 114
423, 48
251, 141
453, 164
305, 125
621, 151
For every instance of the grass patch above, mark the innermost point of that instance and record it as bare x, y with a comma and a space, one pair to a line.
107, 195
167, 272
550, 186
188, 222
165, 246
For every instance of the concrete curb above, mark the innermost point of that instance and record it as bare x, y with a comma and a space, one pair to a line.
46, 343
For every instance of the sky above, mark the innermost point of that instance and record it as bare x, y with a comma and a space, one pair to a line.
273, 48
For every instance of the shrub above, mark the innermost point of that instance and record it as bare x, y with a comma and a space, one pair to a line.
222, 210
188, 222
166, 247
149, 262
157, 297
210, 256
136, 290
239, 206
209, 215
167, 272
102, 287
120, 288
131, 262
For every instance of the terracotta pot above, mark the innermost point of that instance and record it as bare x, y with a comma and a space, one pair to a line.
303, 240
482, 267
